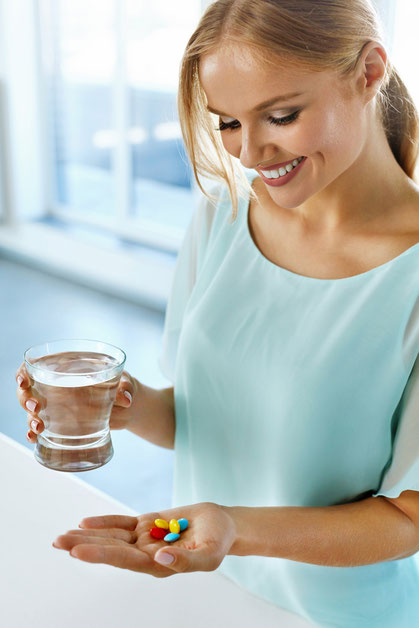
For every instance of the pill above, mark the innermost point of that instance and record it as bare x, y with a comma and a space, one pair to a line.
183, 524
161, 523
158, 533
174, 526
172, 536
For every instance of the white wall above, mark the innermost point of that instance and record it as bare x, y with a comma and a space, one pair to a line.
387, 11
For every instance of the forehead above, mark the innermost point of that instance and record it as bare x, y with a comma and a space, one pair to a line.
234, 78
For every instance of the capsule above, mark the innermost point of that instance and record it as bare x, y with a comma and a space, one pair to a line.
172, 536
161, 523
158, 533
174, 526
183, 524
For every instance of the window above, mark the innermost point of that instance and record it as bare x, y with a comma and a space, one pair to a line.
110, 71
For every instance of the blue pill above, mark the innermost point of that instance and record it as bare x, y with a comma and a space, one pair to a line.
183, 523
172, 536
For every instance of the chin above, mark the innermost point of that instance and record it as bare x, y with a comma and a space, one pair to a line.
280, 200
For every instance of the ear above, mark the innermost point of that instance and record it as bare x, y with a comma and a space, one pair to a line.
372, 67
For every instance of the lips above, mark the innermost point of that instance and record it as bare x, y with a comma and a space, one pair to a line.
281, 165
277, 181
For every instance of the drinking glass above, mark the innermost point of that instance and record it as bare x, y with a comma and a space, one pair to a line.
75, 382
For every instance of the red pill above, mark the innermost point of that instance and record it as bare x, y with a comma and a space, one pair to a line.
158, 533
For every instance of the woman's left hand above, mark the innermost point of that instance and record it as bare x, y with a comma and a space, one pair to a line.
125, 542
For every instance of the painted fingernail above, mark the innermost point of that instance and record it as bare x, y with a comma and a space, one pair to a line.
29, 435
31, 405
164, 558
128, 396
34, 425
20, 380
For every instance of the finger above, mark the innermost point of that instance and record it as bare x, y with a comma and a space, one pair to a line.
110, 521
28, 401
108, 533
24, 392
123, 398
31, 437
22, 377
35, 425
206, 557
125, 392
68, 541
122, 557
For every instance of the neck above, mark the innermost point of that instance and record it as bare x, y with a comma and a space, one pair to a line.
366, 192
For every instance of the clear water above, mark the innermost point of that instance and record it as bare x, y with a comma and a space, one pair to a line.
76, 397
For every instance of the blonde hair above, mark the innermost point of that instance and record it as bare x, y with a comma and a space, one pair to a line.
318, 35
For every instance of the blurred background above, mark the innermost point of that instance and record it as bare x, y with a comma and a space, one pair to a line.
96, 191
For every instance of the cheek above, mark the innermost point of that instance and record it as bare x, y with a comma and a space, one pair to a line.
231, 142
337, 133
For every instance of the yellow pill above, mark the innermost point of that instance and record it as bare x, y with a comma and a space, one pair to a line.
161, 523
174, 526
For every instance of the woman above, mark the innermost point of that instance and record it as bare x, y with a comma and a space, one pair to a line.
292, 331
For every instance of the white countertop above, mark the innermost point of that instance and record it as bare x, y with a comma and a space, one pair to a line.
43, 587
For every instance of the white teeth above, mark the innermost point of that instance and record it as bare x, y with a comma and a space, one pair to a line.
274, 174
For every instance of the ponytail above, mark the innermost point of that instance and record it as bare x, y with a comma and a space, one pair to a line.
401, 122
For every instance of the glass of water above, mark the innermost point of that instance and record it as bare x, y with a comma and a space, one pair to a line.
75, 382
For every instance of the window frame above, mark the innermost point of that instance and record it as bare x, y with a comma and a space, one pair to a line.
121, 224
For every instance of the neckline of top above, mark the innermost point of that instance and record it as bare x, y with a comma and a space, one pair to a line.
246, 203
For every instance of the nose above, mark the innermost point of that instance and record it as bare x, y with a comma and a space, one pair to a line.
255, 149
251, 150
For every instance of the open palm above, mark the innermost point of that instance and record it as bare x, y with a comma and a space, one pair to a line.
125, 542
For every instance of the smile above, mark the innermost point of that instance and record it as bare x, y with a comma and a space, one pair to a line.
275, 173
276, 177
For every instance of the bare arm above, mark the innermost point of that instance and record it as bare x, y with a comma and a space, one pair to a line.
370, 531
153, 414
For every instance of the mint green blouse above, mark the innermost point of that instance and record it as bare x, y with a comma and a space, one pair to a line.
295, 391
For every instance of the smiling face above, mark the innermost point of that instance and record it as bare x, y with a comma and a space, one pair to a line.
327, 123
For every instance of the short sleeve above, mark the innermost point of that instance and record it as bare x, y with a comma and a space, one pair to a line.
411, 335
188, 264
403, 473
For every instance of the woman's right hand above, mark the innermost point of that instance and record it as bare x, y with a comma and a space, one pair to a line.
29, 403
119, 419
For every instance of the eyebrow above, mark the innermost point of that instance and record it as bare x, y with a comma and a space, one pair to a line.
262, 105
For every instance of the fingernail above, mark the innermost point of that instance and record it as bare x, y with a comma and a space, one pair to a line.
128, 396
31, 405
29, 435
34, 425
164, 559
20, 380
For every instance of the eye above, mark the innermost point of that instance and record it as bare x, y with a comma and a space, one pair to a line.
235, 124
286, 120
